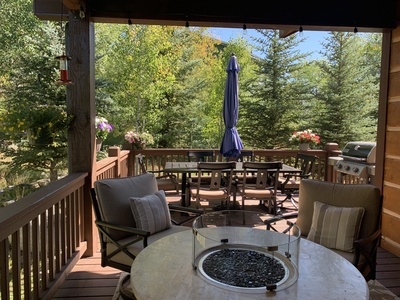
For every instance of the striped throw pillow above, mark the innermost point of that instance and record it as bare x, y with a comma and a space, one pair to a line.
335, 227
151, 212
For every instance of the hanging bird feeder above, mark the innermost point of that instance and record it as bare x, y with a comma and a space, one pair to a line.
63, 70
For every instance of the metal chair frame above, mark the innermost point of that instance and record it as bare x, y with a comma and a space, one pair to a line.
266, 183
305, 163
218, 183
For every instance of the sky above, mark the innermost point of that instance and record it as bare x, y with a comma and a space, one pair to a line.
312, 43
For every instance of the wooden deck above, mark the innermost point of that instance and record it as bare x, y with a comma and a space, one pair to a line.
88, 280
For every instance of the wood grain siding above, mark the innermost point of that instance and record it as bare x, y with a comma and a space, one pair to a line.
391, 187
392, 167
394, 112
393, 143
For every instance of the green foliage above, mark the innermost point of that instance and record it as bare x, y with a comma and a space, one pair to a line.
170, 81
348, 96
273, 100
33, 113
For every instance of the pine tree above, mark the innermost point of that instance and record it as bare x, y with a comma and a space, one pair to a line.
274, 98
346, 97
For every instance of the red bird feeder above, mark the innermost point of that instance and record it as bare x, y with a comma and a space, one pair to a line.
63, 70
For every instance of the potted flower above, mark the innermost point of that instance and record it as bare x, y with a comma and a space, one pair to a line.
139, 140
304, 139
103, 128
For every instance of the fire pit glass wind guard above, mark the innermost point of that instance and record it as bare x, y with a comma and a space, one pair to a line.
236, 250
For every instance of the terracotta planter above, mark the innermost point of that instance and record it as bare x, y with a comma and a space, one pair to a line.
138, 146
304, 147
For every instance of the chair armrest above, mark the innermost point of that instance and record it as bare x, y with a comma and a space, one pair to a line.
360, 243
191, 212
185, 209
142, 234
270, 222
123, 228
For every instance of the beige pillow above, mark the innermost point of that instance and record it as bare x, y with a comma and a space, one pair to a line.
151, 212
335, 227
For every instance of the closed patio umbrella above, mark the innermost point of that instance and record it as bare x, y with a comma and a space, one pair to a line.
231, 143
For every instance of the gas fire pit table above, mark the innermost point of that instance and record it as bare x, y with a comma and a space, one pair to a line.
233, 255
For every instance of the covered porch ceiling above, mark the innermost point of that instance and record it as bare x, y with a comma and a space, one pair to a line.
288, 16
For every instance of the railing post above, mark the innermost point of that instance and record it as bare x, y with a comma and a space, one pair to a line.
131, 158
332, 150
116, 152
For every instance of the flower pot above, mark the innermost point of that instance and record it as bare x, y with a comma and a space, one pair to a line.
99, 142
304, 147
138, 146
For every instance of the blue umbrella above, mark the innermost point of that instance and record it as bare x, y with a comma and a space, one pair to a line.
231, 143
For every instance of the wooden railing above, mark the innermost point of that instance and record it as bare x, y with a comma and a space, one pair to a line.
42, 236
115, 165
155, 159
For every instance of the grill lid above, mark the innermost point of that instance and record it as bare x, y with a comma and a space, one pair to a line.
360, 151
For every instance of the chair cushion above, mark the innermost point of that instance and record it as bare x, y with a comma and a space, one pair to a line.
151, 212
335, 227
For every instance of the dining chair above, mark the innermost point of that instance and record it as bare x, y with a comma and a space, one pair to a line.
289, 183
263, 185
200, 156
165, 182
218, 187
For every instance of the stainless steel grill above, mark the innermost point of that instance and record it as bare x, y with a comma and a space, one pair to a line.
356, 164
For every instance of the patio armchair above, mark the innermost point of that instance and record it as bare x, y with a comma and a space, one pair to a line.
289, 184
217, 187
131, 213
260, 183
323, 206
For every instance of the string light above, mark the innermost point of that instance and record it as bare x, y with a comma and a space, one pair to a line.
301, 31
129, 18
244, 29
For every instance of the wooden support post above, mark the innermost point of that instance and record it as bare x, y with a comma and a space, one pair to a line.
81, 105
116, 152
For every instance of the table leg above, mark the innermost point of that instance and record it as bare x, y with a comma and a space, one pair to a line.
183, 193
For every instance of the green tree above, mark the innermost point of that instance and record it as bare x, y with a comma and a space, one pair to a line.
34, 106
348, 94
274, 98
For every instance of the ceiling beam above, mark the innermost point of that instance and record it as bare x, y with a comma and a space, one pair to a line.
72, 5
289, 15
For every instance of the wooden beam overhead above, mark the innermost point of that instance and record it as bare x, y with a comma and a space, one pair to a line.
342, 15
72, 5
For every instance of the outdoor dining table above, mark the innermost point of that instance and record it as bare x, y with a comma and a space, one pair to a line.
188, 168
